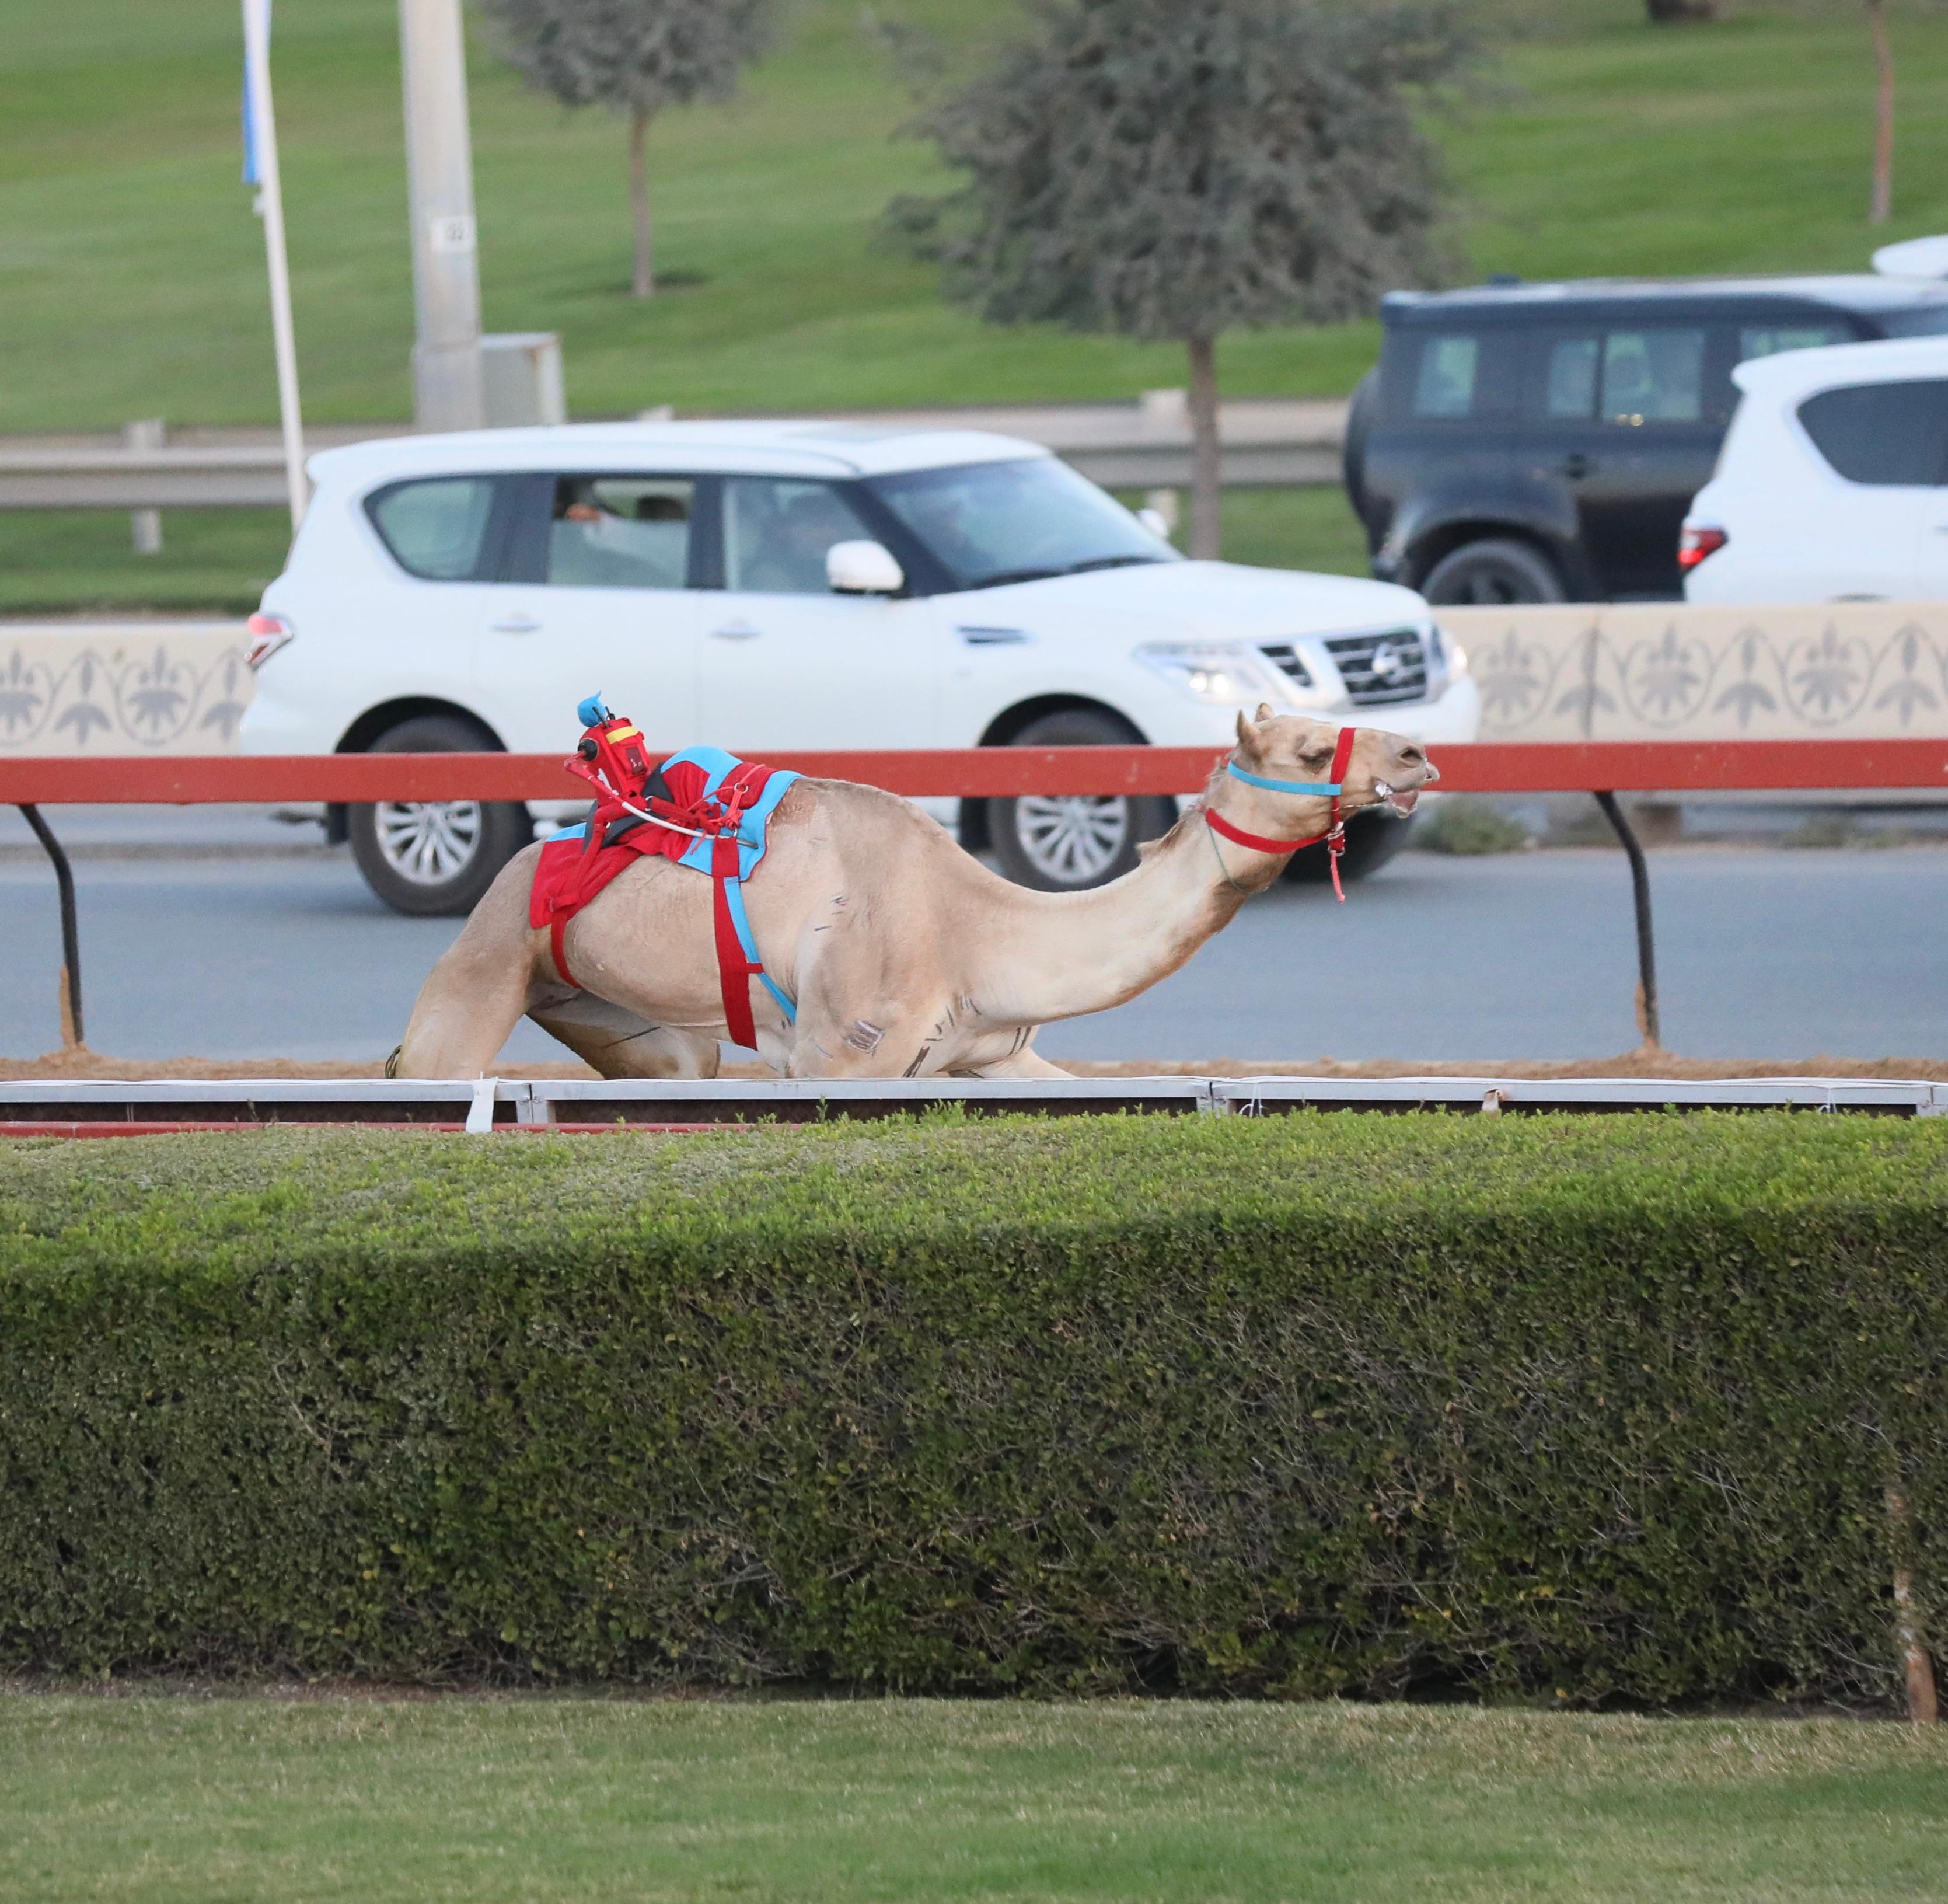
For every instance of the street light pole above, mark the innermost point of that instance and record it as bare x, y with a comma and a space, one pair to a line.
447, 387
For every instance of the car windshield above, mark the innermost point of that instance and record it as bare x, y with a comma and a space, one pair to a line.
988, 524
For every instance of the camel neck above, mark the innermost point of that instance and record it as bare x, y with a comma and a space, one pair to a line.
1060, 954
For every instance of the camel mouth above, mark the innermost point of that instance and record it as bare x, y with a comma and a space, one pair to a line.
1401, 803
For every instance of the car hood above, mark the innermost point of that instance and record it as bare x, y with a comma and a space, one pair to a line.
1204, 601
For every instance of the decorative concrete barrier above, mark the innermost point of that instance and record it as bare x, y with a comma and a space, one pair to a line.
1581, 671
118, 688
1669, 670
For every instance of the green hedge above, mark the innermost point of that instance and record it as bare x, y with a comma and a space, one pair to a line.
1583, 1409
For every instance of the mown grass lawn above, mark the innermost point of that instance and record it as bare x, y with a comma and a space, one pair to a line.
185, 1800
131, 270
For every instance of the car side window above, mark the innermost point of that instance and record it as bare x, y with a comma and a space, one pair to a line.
1768, 339
1444, 385
1653, 376
777, 530
620, 532
436, 528
1882, 434
1569, 390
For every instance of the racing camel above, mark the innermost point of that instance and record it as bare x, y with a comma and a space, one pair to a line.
886, 950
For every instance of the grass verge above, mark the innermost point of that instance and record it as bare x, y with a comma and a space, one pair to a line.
187, 1801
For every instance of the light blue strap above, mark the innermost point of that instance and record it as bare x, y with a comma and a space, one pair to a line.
733, 896
1326, 790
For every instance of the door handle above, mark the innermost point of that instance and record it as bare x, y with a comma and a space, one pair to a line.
736, 632
515, 625
1576, 465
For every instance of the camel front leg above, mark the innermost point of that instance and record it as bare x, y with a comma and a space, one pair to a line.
471, 1000
478, 988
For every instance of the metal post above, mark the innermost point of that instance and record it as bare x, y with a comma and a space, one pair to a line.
145, 525
271, 208
448, 392
71, 1028
1647, 1019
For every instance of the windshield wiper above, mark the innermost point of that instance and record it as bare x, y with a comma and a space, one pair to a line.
1110, 562
1001, 577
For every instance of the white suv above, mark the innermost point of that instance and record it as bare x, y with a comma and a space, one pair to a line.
768, 586
1833, 481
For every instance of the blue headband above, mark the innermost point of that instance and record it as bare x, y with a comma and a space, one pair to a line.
1325, 789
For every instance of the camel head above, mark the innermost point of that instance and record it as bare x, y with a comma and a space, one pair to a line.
1386, 770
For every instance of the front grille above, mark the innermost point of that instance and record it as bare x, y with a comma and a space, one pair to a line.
1284, 657
1377, 668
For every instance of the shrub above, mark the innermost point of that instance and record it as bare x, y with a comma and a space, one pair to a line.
1461, 825
1587, 1409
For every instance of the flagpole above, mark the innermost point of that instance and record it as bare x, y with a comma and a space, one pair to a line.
261, 133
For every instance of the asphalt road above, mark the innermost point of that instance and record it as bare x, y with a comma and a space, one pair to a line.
1763, 954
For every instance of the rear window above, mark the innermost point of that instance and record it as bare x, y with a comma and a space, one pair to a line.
620, 532
1444, 385
1452, 376
436, 529
1882, 434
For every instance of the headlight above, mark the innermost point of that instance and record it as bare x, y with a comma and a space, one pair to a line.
1220, 674
1446, 659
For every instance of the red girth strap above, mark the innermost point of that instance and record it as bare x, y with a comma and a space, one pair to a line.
734, 971
1334, 835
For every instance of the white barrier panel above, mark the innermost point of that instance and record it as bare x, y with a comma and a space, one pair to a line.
485, 1103
121, 687
1670, 671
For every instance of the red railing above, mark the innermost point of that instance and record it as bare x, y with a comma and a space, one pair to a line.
1492, 767
1601, 767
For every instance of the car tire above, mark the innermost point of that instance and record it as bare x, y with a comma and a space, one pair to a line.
1372, 840
435, 860
1069, 844
1493, 573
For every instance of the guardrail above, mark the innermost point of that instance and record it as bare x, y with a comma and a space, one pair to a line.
1601, 768
76, 1108
1268, 443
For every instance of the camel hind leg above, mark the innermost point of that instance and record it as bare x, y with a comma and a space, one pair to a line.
620, 1043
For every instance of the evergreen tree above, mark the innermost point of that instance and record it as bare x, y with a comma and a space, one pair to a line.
1175, 169
636, 57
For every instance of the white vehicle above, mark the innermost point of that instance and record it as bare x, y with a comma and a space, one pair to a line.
1833, 481
765, 587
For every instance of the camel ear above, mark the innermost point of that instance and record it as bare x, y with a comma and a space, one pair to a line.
1247, 734
1265, 711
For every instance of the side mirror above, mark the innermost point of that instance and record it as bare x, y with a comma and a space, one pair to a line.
1153, 521
864, 569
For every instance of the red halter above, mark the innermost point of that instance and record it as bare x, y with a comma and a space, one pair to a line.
1334, 835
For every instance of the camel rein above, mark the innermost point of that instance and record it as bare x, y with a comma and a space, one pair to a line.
1334, 835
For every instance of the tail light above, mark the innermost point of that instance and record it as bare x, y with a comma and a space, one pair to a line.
1695, 541
267, 634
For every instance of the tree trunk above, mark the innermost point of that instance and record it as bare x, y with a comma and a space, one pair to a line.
1671, 13
643, 276
1205, 534
1882, 203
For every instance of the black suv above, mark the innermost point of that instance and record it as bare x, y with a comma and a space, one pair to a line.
1541, 443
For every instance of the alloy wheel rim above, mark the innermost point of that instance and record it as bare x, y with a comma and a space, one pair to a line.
1073, 840
428, 842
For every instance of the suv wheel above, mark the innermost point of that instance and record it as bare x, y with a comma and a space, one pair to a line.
1372, 840
1068, 843
1491, 573
435, 858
